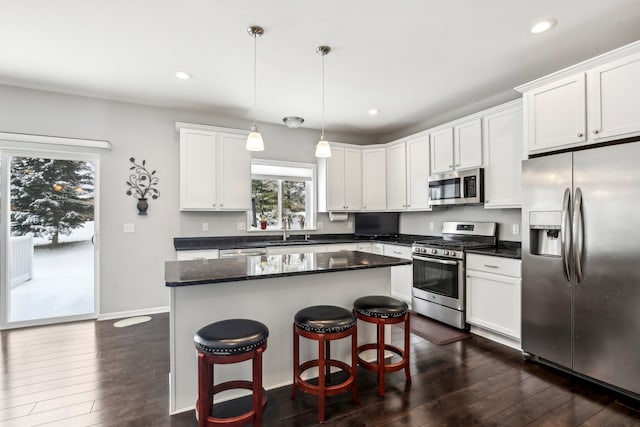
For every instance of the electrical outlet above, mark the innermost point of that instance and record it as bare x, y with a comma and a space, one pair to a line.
349, 225
516, 228
431, 226
240, 226
205, 226
320, 225
129, 228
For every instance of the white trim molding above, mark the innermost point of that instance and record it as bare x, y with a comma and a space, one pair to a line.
55, 140
133, 313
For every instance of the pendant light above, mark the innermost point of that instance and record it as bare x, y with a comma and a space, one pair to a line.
323, 149
254, 140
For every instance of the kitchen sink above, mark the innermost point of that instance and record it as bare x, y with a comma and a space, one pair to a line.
291, 242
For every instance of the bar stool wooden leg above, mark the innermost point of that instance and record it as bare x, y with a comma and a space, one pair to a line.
381, 349
407, 350
322, 385
296, 362
354, 366
257, 386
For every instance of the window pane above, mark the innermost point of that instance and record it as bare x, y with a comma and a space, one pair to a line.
294, 196
265, 194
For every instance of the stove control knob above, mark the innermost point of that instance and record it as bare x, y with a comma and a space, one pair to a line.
446, 252
434, 251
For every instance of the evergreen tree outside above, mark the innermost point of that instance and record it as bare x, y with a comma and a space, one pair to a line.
265, 194
50, 197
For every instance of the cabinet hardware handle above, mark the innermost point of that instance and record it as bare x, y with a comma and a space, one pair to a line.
221, 205
450, 166
491, 266
457, 164
596, 131
214, 205
579, 134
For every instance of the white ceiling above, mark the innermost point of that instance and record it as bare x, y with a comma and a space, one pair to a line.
412, 59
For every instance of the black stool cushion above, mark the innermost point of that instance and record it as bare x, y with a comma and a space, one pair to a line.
380, 306
233, 336
325, 319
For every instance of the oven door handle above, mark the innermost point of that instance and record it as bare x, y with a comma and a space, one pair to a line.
439, 261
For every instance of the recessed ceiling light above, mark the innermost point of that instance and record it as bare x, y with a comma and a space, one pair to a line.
544, 25
183, 75
374, 112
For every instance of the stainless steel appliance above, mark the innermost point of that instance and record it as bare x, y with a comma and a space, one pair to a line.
580, 269
464, 187
439, 271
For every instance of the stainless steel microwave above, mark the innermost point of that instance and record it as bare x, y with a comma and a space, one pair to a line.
464, 187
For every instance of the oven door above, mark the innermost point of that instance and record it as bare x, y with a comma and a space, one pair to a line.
440, 281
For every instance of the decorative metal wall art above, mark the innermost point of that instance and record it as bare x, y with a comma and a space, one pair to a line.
142, 184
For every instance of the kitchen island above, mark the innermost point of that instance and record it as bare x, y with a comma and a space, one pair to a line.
270, 289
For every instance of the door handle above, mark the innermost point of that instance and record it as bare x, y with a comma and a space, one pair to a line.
578, 234
565, 244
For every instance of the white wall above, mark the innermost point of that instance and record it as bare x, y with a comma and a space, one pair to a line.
132, 265
418, 222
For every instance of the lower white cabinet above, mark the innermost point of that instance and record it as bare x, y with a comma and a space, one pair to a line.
203, 254
493, 294
402, 275
296, 249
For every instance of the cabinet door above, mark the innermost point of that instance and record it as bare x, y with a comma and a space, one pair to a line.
396, 177
467, 145
442, 151
503, 159
374, 181
556, 114
198, 165
193, 255
353, 179
614, 102
402, 275
493, 302
418, 173
234, 173
335, 176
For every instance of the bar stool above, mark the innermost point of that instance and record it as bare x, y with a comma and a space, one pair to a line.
225, 342
383, 310
325, 323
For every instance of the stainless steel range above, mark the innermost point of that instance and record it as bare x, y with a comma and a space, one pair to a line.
439, 269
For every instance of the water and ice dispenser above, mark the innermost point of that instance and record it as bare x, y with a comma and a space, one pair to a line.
544, 233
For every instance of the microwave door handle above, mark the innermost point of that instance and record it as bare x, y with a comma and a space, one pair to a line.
578, 234
439, 261
565, 238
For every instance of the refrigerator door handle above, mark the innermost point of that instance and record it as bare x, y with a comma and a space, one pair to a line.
565, 245
578, 234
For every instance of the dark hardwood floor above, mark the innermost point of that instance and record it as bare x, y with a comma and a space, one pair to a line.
90, 373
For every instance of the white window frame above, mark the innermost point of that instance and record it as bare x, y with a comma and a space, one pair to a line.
311, 202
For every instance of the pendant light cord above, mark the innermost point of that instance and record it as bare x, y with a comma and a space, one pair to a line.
255, 78
322, 136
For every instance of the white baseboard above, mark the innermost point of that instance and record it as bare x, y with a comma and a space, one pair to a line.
490, 335
133, 313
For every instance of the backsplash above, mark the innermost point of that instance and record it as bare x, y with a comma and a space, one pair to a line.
418, 222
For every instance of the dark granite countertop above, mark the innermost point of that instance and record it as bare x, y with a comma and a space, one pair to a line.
505, 249
263, 241
200, 272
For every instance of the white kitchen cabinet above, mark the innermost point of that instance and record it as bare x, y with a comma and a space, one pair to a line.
504, 152
614, 101
457, 147
596, 103
338, 247
215, 170
364, 247
340, 180
202, 254
397, 177
493, 294
402, 275
377, 248
556, 114
374, 181
408, 174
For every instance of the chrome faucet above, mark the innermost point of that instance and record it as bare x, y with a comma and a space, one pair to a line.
284, 227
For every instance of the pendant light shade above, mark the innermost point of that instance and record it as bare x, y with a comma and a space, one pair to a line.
323, 149
254, 140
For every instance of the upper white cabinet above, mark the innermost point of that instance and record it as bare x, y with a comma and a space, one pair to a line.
374, 181
457, 147
340, 180
614, 101
591, 102
215, 170
556, 114
503, 156
408, 174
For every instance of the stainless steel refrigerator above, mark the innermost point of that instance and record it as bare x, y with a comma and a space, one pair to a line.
581, 262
